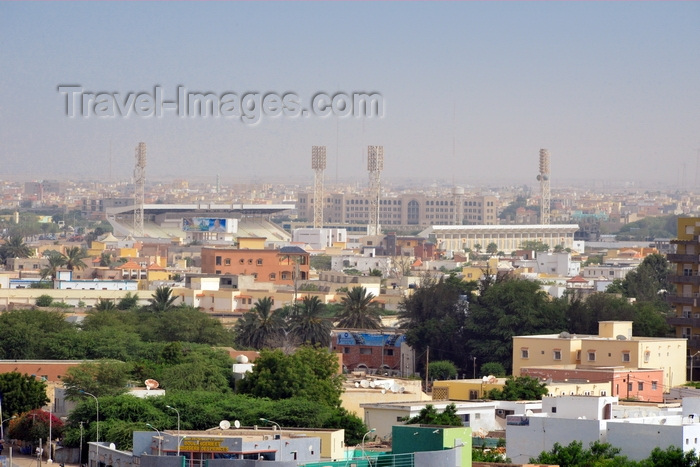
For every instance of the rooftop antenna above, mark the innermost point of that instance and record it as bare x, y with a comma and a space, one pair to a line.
543, 178
318, 163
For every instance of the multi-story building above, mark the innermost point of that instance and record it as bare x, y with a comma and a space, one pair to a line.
614, 346
685, 276
404, 210
279, 266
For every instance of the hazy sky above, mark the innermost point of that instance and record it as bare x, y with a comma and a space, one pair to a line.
612, 89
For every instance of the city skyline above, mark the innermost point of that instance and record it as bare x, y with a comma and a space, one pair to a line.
471, 90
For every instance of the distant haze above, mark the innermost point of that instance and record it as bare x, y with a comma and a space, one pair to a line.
472, 90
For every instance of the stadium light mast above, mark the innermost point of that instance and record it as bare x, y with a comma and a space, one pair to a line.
139, 188
318, 163
375, 165
545, 194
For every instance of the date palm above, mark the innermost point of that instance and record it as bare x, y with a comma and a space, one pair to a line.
359, 311
15, 247
162, 299
261, 326
308, 324
56, 261
74, 258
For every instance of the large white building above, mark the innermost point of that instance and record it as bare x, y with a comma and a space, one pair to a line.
508, 238
636, 430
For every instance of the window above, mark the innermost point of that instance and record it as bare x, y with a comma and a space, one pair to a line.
241, 261
603, 393
524, 353
640, 386
250, 260
654, 385
389, 352
273, 276
227, 262
557, 355
629, 386
346, 349
365, 351
399, 419
626, 357
591, 355
217, 271
259, 262
554, 410
218, 261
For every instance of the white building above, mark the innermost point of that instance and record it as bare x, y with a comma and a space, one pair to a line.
636, 430
559, 264
319, 239
508, 238
479, 415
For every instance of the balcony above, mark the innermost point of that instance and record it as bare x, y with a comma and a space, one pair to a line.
683, 258
695, 280
684, 322
683, 298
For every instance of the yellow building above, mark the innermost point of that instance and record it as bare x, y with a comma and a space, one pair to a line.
685, 276
614, 346
470, 389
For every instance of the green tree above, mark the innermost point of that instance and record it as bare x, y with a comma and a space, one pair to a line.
309, 372
105, 305
492, 248
162, 299
74, 258
105, 259
650, 279
435, 316
429, 415
520, 388
56, 261
128, 301
198, 373
44, 300
359, 310
104, 378
261, 326
14, 247
673, 456
534, 245
21, 393
492, 368
505, 309
441, 370
573, 455
308, 325
34, 425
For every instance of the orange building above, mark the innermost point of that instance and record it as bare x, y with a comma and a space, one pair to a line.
276, 266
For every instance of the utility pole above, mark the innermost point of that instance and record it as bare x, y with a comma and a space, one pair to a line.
427, 365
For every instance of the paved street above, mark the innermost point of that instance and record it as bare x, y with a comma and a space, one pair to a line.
26, 461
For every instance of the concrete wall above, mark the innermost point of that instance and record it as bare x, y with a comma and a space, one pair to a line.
540, 434
447, 458
638, 440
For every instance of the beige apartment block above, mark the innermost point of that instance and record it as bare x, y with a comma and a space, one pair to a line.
614, 346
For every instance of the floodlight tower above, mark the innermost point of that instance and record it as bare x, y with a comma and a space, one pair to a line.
375, 165
543, 178
139, 188
318, 163
458, 201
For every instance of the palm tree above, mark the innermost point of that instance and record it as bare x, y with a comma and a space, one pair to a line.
162, 300
308, 325
56, 261
359, 312
74, 258
15, 247
261, 326
105, 305
105, 259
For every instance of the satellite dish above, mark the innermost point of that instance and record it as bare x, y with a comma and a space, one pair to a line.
112, 446
394, 388
357, 385
372, 384
224, 424
364, 383
401, 389
383, 391
621, 337
237, 423
151, 384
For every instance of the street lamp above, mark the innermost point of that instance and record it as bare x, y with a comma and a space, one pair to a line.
280, 428
97, 427
160, 438
178, 427
2, 430
363, 440
474, 359
691, 365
